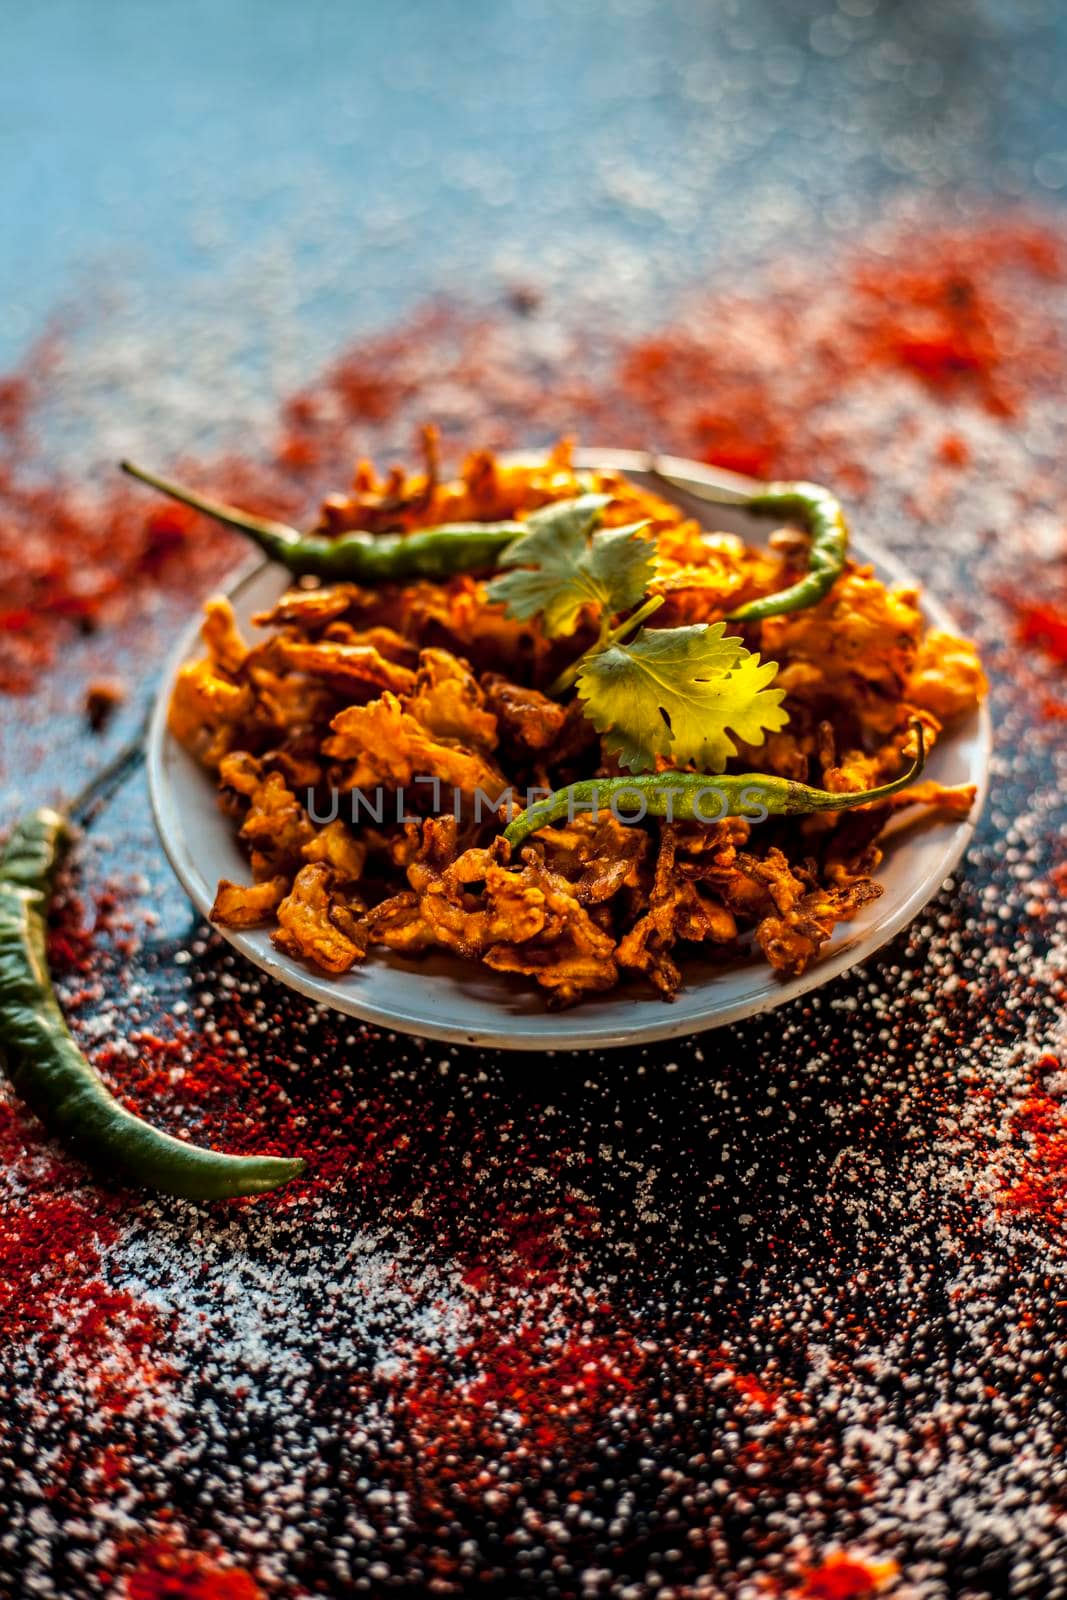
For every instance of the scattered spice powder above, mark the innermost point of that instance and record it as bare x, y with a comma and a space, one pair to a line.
845, 1577
52, 1240
1045, 625
164, 1573
683, 1318
1040, 1127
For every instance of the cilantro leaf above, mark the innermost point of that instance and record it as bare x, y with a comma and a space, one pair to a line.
674, 692
560, 569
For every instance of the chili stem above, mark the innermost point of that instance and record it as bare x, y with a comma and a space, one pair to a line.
273, 537
357, 556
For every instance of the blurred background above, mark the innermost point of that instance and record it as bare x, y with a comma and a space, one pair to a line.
300, 171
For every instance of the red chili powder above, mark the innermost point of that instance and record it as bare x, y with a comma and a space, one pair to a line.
526, 1344
1044, 624
164, 1573
51, 1241
953, 451
546, 1378
377, 1145
1039, 1127
73, 940
76, 556
743, 382
845, 1577
508, 1396
561, 1383
49, 1253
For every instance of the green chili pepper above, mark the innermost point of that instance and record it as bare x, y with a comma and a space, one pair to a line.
697, 797
50, 1072
816, 509
439, 552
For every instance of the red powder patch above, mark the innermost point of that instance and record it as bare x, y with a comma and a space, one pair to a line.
1045, 625
746, 383
164, 1573
52, 1236
558, 1384
845, 1577
74, 556
953, 451
1039, 1127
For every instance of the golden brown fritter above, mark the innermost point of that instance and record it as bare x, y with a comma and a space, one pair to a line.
381, 743
308, 925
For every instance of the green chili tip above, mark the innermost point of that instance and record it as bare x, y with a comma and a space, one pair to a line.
438, 552
809, 504
51, 1073
698, 797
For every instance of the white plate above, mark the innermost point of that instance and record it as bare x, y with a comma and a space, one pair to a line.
442, 997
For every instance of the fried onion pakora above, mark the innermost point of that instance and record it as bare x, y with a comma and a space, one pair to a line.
407, 688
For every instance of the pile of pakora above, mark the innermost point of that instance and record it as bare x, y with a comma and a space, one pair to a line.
353, 691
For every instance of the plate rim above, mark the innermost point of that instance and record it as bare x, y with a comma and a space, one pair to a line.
773, 993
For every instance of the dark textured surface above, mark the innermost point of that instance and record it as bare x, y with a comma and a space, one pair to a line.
680, 1321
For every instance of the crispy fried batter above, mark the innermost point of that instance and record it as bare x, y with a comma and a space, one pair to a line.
955, 800
514, 919
220, 633
596, 858
359, 667
242, 905
398, 924
853, 652
338, 847
306, 928
276, 828
804, 913
677, 909
573, 966
458, 615
376, 505
296, 758
857, 770
314, 609
702, 576
792, 940
529, 721
503, 905
786, 754
487, 490
205, 711
861, 628
240, 775
947, 678
392, 645
449, 701
382, 744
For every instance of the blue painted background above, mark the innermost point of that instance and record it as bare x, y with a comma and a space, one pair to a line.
361, 154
